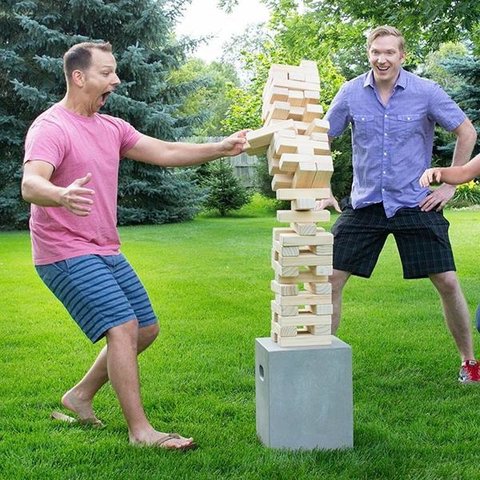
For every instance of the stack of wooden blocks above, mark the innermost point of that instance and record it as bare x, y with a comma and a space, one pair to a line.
294, 137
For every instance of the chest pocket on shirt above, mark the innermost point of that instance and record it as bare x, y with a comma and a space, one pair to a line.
406, 126
363, 126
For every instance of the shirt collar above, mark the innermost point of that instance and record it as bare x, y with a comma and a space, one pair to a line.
401, 80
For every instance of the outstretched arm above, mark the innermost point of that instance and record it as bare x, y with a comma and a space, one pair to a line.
466, 138
178, 154
452, 175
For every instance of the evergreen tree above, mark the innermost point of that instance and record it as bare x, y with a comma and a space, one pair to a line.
225, 191
466, 92
34, 35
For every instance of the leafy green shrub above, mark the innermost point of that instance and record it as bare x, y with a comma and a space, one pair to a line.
466, 195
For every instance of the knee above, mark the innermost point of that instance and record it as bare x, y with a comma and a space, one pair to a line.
446, 284
338, 280
147, 336
126, 332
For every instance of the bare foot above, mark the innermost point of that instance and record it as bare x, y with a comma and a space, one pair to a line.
169, 441
83, 408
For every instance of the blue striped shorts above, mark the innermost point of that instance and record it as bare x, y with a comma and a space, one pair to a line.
99, 292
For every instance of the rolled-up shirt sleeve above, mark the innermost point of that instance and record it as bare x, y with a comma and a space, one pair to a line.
339, 112
443, 110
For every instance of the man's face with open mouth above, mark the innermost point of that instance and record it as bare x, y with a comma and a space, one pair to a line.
101, 78
386, 58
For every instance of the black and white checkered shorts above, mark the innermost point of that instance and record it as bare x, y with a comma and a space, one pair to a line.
421, 237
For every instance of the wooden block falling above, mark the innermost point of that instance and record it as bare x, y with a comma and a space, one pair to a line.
263, 136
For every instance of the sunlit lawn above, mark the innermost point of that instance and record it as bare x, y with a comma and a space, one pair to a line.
209, 283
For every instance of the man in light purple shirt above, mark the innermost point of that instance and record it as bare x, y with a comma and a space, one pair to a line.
392, 114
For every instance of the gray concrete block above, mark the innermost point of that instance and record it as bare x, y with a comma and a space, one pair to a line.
304, 395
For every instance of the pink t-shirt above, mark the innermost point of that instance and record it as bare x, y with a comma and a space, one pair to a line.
75, 145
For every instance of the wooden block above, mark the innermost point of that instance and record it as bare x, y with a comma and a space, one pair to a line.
279, 111
319, 329
290, 145
275, 94
295, 84
284, 331
296, 193
284, 289
302, 319
263, 136
318, 288
303, 217
300, 278
317, 125
284, 310
296, 113
284, 271
288, 237
289, 161
304, 260
286, 251
296, 98
303, 204
312, 111
304, 228
304, 298
274, 167
321, 249
326, 309
311, 96
304, 340
319, 137
296, 74
281, 180
304, 175
323, 270
322, 177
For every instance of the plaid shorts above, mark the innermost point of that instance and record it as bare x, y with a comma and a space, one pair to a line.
421, 237
99, 292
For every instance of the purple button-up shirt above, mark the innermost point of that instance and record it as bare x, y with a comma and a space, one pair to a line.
392, 144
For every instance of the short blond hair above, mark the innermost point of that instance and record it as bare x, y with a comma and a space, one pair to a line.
384, 31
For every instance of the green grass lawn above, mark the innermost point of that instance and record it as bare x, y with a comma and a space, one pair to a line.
209, 281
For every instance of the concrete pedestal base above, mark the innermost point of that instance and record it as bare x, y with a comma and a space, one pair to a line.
304, 396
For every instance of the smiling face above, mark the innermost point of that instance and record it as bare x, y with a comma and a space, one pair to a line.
99, 79
386, 57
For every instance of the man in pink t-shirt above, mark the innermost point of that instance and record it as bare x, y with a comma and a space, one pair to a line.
72, 156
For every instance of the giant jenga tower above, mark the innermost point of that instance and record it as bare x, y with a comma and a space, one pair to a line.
294, 137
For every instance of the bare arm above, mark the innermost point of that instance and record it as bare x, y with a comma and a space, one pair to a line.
38, 189
452, 175
466, 138
178, 154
